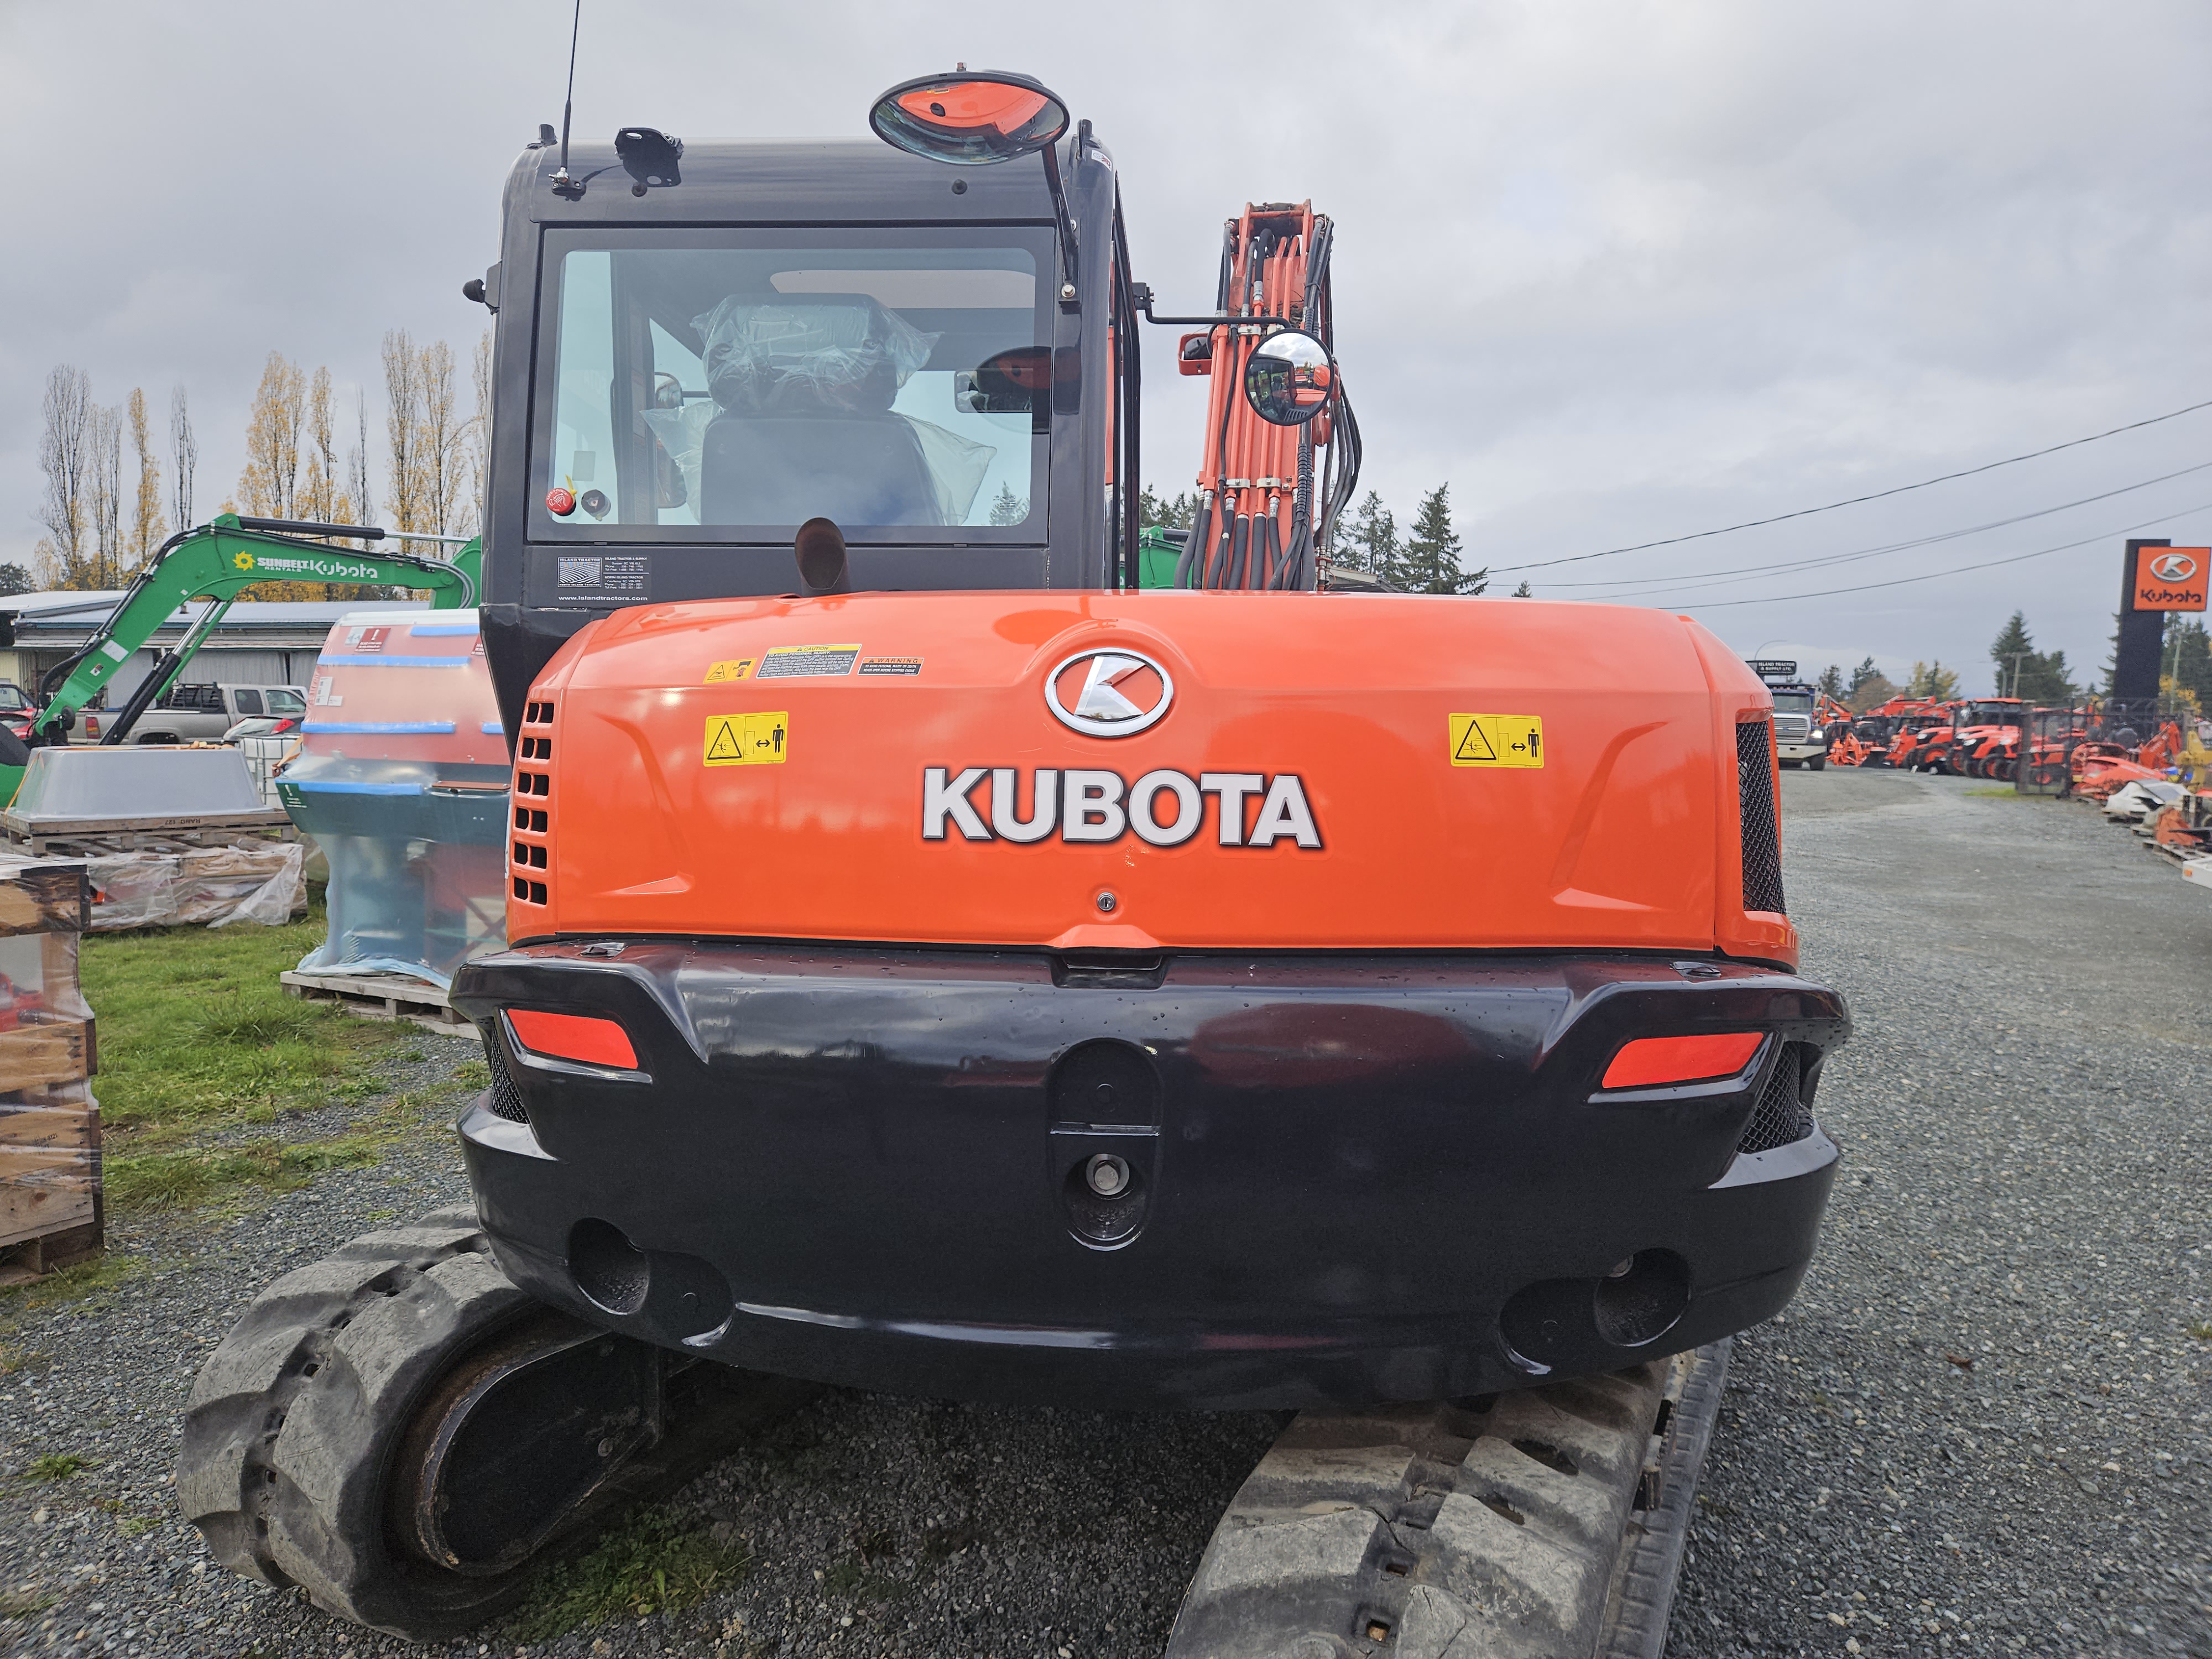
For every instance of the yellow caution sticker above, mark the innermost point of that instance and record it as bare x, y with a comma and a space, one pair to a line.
722, 672
1496, 739
748, 740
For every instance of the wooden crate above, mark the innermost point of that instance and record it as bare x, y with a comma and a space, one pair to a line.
50, 1172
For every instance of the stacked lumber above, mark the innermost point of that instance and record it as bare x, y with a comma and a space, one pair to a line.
49, 1208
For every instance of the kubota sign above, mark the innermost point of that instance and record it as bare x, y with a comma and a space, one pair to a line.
2170, 578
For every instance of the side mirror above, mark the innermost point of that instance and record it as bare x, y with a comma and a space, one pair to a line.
1289, 379
969, 119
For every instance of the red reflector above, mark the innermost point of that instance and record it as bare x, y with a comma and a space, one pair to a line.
1649, 1061
574, 1037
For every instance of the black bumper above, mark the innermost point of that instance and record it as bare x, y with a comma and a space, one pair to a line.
1352, 1177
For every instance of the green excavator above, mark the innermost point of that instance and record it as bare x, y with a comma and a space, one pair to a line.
216, 562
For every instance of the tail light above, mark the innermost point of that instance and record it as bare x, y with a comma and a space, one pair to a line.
91, 727
1653, 1062
573, 1037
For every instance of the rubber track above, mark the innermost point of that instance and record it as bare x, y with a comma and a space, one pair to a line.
290, 1421
1499, 1529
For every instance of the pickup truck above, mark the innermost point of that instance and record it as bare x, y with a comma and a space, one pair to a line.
200, 714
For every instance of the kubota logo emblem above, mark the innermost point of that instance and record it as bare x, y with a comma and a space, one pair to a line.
2173, 567
1109, 692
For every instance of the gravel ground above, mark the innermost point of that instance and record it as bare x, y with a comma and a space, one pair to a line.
1983, 1427
2025, 1189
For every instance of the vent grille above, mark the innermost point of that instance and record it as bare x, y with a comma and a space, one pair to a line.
1762, 845
506, 1099
1784, 1112
529, 854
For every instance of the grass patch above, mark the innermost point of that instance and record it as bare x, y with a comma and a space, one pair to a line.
199, 1040
655, 1562
25, 1604
2004, 793
196, 1032
56, 1465
102, 1272
2202, 1330
159, 1181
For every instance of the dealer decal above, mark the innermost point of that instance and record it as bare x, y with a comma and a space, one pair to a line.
1091, 804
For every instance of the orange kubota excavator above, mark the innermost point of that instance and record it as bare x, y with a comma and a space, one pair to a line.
937, 965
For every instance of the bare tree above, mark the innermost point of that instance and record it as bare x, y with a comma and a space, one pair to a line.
318, 497
479, 438
269, 484
184, 455
148, 527
64, 456
403, 424
104, 496
363, 505
439, 440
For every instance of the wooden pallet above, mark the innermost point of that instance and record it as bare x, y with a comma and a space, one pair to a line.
61, 1247
382, 996
41, 836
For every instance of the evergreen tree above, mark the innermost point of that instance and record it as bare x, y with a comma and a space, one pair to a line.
2190, 655
1176, 512
1431, 557
1010, 509
1370, 542
13, 579
2024, 671
1831, 682
1860, 676
1524, 591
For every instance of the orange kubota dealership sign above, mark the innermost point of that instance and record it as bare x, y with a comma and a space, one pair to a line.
2170, 578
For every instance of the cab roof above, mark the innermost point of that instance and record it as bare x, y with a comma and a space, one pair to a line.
788, 180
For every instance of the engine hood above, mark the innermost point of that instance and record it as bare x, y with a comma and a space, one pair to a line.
1142, 771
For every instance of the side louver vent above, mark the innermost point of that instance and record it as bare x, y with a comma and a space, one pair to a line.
531, 851
1762, 845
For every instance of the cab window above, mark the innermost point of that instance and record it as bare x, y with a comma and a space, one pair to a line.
728, 385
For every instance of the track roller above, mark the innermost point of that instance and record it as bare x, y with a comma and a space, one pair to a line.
404, 1434
1546, 1524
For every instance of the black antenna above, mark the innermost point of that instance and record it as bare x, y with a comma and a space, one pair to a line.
568, 98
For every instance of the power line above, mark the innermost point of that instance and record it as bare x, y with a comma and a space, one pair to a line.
1694, 578
1855, 501
1933, 576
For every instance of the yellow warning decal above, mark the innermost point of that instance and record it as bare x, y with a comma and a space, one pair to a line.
1496, 739
722, 672
748, 740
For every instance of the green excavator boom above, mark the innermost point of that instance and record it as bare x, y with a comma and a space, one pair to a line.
216, 562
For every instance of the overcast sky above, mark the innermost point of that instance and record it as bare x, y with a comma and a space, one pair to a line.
1615, 272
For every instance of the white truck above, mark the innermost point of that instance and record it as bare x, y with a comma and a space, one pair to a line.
1799, 738
200, 714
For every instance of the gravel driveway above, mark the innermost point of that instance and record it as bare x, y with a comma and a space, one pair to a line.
1983, 1426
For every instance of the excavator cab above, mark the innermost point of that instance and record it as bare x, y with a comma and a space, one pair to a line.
923, 349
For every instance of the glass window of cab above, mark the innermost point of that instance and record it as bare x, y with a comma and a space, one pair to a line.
729, 384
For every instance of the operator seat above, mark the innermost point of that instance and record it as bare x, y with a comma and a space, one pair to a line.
784, 467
